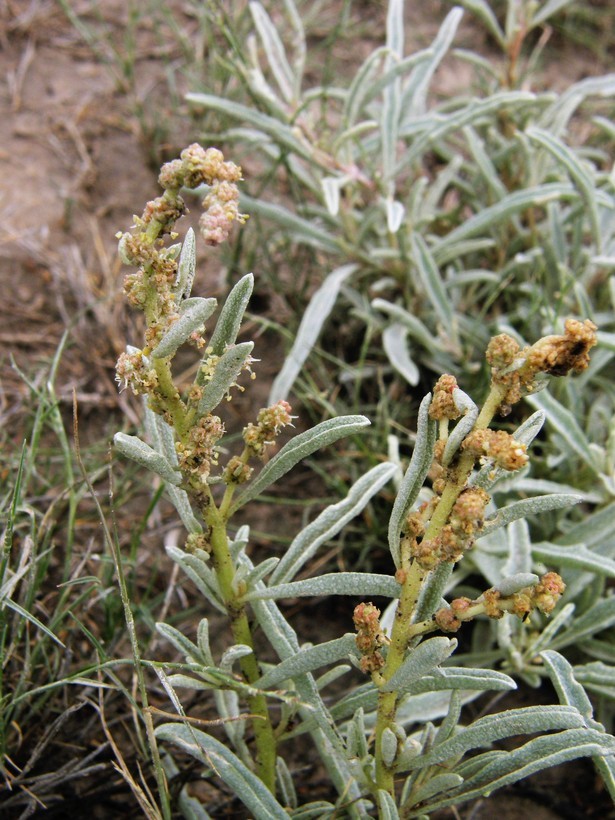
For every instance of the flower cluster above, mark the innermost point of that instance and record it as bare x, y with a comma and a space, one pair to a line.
455, 537
151, 288
442, 404
370, 637
197, 456
198, 166
517, 372
269, 424
497, 445
237, 471
542, 596
132, 371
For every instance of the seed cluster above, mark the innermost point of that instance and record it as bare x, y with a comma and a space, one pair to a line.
543, 597
520, 372
370, 637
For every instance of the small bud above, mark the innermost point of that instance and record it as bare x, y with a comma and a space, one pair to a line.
442, 404
197, 541
237, 472
505, 451
370, 637
548, 591
447, 620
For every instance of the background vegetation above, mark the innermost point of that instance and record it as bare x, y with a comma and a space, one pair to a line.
407, 203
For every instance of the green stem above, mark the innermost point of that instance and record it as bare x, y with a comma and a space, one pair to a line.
403, 628
459, 476
387, 701
264, 735
172, 401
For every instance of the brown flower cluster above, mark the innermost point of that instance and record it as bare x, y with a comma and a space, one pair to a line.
370, 637
542, 596
518, 371
457, 536
498, 445
442, 404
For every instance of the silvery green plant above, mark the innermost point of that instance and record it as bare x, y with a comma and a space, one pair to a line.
444, 221
395, 743
429, 212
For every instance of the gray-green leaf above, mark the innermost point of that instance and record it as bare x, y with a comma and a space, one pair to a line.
298, 448
213, 754
193, 313
415, 475
331, 521
231, 315
132, 447
420, 661
228, 367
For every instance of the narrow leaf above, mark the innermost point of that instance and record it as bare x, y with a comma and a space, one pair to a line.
569, 690
320, 306
598, 617
181, 502
574, 555
387, 810
487, 730
566, 426
415, 327
280, 132
436, 785
274, 50
330, 521
578, 173
231, 315
211, 753
504, 768
465, 405
539, 16
132, 447
200, 574
186, 266
308, 231
298, 448
515, 583
361, 85
193, 313
227, 370
484, 12
487, 219
309, 659
414, 100
337, 583
529, 506
419, 662
458, 677
415, 475
184, 645
395, 344
432, 282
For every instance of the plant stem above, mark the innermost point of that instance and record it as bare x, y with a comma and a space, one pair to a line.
242, 634
403, 628
387, 701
